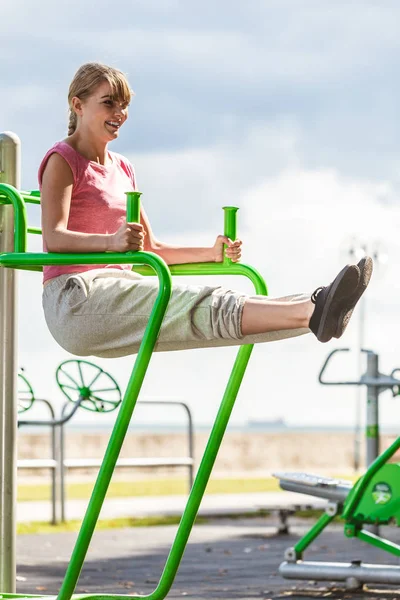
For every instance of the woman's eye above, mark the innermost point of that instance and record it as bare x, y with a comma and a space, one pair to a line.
111, 103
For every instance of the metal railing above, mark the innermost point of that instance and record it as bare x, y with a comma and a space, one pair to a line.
51, 464
59, 465
139, 462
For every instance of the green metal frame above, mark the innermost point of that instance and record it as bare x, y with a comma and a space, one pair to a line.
24, 403
356, 510
82, 391
146, 263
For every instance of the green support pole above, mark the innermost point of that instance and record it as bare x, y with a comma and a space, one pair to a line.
21, 259
311, 535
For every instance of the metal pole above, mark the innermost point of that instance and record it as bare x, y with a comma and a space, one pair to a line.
54, 452
372, 425
372, 420
54, 474
61, 439
359, 391
9, 173
191, 446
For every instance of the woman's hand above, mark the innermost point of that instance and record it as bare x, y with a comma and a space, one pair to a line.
233, 250
128, 238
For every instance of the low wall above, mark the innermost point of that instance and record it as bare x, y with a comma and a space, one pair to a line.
250, 453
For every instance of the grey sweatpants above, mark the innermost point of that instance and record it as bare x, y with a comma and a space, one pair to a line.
104, 312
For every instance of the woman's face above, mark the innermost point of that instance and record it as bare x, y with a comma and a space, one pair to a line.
100, 114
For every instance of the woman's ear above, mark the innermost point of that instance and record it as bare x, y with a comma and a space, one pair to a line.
76, 104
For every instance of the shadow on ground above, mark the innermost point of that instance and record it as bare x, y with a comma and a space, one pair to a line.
225, 559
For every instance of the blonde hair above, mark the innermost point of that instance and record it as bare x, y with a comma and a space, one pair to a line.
86, 80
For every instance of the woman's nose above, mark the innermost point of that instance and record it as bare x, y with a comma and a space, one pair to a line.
119, 111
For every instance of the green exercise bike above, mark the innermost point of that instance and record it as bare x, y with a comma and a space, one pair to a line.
374, 500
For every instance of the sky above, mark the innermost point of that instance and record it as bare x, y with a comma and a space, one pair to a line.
287, 109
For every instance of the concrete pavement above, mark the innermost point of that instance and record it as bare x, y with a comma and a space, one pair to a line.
212, 505
224, 560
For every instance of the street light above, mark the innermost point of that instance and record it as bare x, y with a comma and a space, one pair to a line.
356, 249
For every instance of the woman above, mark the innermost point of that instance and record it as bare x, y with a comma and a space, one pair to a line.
102, 310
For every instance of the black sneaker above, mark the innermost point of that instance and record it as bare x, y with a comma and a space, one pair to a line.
366, 267
334, 302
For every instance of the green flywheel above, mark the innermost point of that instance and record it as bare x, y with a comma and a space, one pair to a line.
84, 382
26, 397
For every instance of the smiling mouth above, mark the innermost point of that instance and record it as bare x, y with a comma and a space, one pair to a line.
113, 124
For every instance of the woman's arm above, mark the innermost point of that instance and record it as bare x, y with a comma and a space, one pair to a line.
174, 255
57, 182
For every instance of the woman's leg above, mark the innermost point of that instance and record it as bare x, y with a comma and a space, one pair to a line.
326, 313
105, 312
261, 315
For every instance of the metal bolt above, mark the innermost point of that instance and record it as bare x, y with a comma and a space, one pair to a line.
290, 555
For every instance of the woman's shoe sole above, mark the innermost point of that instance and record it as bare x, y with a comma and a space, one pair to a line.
366, 267
344, 286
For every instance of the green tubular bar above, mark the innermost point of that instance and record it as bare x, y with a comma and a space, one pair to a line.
352, 526
361, 485
34, 261
20, 219
28, 197
229, 226
310, 536
133, 207
378, 542
355, 496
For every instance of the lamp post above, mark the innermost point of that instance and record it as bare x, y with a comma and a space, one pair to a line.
356, 250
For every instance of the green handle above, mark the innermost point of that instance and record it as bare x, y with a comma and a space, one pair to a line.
133, 207
230, 221
229, 226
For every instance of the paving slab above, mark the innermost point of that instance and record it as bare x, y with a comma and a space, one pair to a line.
212, 504
225, 559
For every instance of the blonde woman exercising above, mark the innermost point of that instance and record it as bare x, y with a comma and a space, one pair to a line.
102, 310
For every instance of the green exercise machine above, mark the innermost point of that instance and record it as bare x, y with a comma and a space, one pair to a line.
13, 255
373, 501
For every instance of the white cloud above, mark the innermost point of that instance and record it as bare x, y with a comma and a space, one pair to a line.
293, 224
288, 110
213, 74
187, 188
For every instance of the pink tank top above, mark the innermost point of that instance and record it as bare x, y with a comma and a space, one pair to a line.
98, 202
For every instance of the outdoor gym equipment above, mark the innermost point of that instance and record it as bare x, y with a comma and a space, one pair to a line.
26, 397
87, 386
26, 400
14, 256
80, 394
372, 501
